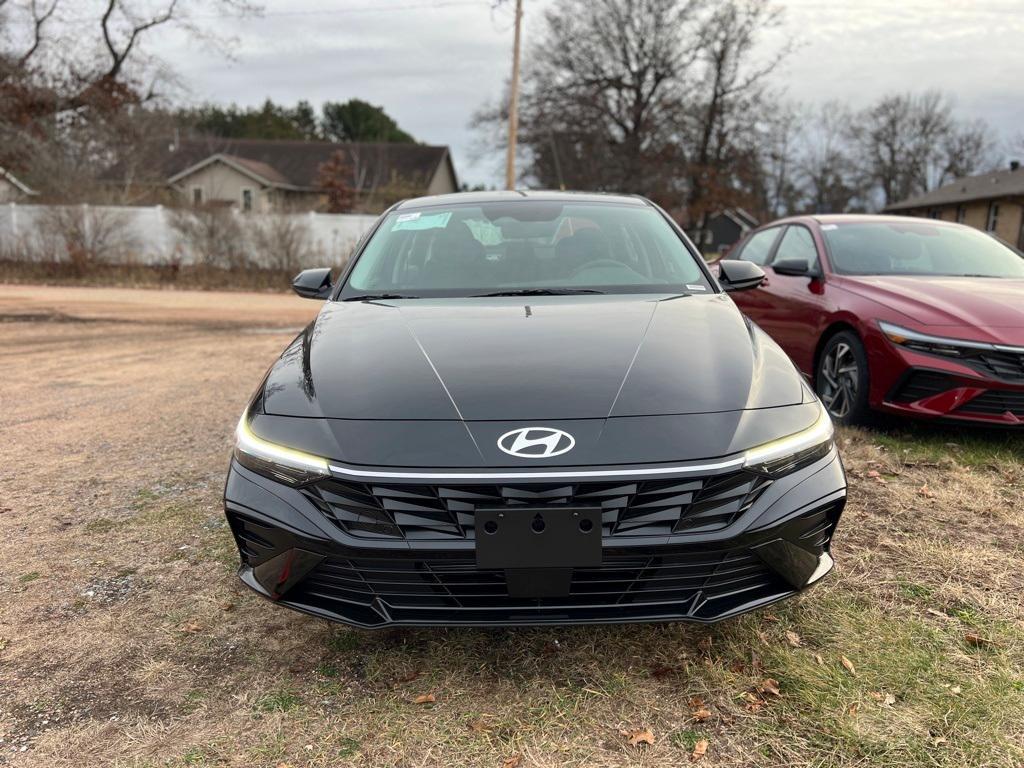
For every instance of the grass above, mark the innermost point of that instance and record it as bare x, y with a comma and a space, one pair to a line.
180, 665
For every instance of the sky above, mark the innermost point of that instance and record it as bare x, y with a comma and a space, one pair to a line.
432, 63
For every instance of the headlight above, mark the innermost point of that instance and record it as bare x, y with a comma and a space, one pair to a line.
276, 461
793, 451
935, 345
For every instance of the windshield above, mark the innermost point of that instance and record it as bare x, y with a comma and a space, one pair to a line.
903, 247
524, 247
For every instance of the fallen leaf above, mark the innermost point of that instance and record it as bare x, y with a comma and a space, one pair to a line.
425, 698
699, 749
924, 490
848, 665
191, 627
955, 690
939, 614
512, 762
736, 666
769, 617
887, 699
639, 736
852, 709
700, 715
770, 685
695, 702
873, 473
793, 639
481, 724
939, 740
818, 658
227, 607
973, 638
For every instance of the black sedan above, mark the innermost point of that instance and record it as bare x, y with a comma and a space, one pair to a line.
532, 408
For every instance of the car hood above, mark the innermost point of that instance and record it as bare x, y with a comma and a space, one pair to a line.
977, 302
515, 359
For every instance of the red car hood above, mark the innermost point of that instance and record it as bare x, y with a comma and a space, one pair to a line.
993, 306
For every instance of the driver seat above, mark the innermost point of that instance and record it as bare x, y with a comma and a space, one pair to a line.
574, 251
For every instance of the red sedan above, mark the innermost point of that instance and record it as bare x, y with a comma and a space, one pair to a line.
911, 316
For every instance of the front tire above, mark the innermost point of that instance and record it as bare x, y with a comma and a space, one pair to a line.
841, 379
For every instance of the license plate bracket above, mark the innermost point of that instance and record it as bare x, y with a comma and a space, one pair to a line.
531, 537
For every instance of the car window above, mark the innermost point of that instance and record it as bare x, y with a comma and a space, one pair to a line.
797, 243
759, 247
906, 247
469, 250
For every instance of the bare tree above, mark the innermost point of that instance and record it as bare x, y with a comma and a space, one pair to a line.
650, 96
67, 82
732, 90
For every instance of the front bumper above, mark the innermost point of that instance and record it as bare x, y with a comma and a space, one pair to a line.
391, 558
949, 395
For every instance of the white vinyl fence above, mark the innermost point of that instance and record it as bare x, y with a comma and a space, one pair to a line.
159, 235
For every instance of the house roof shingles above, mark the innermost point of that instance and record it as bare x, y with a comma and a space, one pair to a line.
296, 164
984, 186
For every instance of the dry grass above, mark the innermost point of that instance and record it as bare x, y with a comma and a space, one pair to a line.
125, 638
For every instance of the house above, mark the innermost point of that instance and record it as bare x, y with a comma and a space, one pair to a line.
723, 229
992, 202
269, 175
11, 189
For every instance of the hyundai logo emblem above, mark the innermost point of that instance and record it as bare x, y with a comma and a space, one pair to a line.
536, 442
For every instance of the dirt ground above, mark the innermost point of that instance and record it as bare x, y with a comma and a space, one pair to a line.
126, 639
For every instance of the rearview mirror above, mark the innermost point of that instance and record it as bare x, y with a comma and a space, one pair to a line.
739, 275
795, 267
313, 283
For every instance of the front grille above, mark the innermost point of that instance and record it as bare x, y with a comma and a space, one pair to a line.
695, 583
995, 402
1008, 366
445, 512
922, 384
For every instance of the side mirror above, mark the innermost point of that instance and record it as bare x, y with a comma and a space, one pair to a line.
794, 267
737, 275
313, 283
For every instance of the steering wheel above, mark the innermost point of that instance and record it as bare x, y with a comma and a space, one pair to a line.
600, 263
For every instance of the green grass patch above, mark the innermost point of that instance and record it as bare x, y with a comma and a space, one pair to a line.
936, 443
31, 576
278, 701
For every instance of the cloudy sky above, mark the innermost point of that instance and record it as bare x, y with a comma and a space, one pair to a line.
431, 63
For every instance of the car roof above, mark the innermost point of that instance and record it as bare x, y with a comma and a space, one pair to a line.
849, 218
508, 196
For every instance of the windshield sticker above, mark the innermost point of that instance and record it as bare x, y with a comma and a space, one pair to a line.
418, 221
695, 288
829, 226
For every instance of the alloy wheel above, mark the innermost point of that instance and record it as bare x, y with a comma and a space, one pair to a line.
840, 374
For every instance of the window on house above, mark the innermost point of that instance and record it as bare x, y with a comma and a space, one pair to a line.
933, 213
197, 195
961, 214
993, 217
246, 200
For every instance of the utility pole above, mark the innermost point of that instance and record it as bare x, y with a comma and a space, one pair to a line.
513, 105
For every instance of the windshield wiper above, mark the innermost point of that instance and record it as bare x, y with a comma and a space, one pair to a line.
537, 292
378, 297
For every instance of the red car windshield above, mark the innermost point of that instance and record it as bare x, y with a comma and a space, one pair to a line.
903, 247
